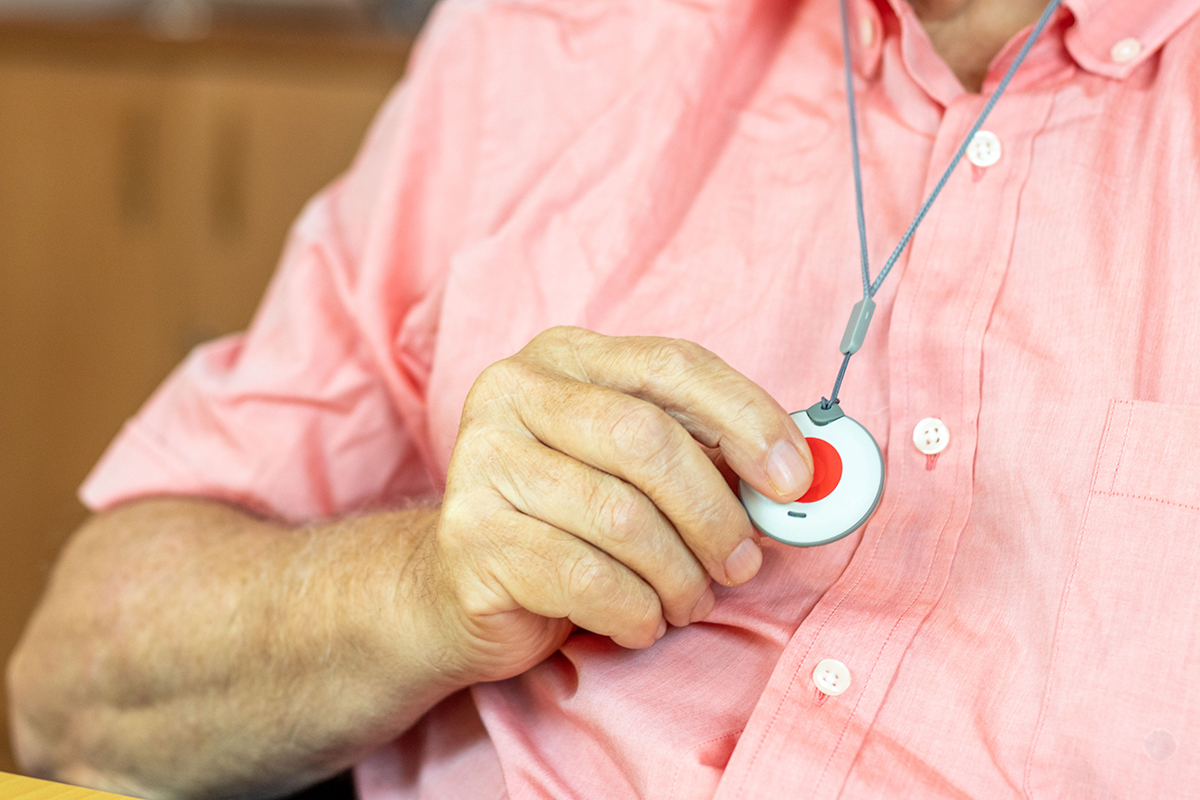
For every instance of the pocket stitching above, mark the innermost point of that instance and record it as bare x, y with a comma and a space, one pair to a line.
1128, 407
1107, 438
1151, 499
1064, 601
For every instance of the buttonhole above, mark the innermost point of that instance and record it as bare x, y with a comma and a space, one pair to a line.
797, 514
930, 461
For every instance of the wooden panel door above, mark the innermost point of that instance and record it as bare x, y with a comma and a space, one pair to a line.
145, 192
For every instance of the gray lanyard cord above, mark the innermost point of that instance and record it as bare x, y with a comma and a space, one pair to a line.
860, 316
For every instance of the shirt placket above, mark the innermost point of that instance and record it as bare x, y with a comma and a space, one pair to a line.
801, 741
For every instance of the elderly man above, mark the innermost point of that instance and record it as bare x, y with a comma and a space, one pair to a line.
651, 204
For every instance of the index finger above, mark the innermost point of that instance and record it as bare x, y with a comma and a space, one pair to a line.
716, 404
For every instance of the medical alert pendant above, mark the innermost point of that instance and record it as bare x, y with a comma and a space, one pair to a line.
847, 464
847, 483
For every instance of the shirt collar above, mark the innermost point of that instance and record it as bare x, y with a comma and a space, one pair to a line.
1112, 37
1107, 37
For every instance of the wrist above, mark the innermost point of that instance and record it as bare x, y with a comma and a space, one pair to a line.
396, 610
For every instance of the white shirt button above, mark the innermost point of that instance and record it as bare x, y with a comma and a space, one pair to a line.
931, 436
866, 32
831, 677
984, 149
1125, 50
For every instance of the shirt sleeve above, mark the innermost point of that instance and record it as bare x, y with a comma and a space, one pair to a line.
318, 409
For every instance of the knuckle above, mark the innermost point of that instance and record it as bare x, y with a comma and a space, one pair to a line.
724, 522
714, 511
639, 611
503, 374
480, 462
499, 387
679, 579
475, 441
552, 339
563, 333
639, 431
682, 589
588, 575
619, 514
748, 413
494, 373
680, 356
495, 381
758, 422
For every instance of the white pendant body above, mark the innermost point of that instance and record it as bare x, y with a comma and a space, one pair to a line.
844, 501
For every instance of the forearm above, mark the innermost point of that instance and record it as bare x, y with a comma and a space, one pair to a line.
187, 649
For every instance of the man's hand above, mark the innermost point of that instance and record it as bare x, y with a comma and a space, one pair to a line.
583, 490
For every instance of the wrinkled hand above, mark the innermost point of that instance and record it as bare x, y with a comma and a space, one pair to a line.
583, 490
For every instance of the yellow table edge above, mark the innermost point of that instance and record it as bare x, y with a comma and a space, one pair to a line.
18, 786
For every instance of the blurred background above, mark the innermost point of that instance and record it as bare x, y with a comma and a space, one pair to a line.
152, 155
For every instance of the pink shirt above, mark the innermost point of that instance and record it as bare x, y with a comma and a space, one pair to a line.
1021, 617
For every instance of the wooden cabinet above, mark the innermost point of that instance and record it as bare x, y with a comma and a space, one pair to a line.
145, 192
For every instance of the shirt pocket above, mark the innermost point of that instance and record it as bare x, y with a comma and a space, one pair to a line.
1121, 713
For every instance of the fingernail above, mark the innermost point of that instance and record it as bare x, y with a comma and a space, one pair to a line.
662, 630
704, 606
743, 562
786, 468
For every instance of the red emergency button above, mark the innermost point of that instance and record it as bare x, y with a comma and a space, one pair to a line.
827, 470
